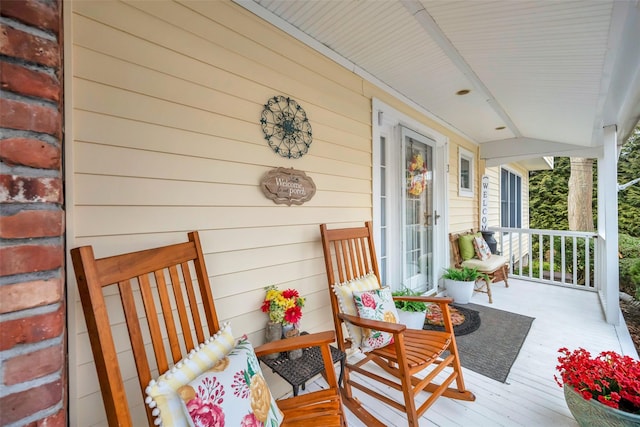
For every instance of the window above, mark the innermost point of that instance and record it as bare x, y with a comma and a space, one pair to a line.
510, 199
465, 168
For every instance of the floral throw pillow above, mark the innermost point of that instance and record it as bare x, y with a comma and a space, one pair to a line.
482, 249
232, 393
162, 397
375, 304
344, 292
219, 383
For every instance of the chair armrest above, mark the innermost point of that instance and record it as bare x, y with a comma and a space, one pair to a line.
302, 341
438, 300
393, 328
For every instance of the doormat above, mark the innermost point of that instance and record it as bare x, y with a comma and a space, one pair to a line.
495, 345
465, 320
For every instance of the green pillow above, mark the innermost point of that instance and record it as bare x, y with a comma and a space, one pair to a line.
467, 251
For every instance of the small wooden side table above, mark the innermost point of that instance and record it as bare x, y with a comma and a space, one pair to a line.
298, 371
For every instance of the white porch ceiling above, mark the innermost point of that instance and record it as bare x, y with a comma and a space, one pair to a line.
553, 73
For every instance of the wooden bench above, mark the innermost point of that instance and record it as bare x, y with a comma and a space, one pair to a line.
495, 267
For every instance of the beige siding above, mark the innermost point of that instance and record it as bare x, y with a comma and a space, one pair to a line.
464, 212
164, 138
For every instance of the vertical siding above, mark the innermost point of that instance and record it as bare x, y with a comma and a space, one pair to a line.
166, 139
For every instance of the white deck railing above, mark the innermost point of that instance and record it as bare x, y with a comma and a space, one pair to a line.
572, 262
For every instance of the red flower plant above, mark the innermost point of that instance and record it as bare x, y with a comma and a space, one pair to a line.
609, 378
283, 306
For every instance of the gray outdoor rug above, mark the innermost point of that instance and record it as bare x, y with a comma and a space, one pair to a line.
492, 349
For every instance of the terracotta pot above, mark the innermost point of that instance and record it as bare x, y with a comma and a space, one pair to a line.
591, 413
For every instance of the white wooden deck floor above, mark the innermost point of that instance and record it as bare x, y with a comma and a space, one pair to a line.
530, 397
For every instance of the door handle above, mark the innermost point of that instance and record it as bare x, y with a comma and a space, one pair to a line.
428, 217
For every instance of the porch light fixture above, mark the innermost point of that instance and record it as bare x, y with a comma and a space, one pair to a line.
463, 91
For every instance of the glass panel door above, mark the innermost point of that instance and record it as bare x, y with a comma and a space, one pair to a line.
419, 217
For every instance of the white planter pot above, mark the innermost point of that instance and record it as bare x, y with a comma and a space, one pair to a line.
461, 292
412, 319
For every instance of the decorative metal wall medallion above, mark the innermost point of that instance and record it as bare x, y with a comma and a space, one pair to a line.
288, 186
286, 127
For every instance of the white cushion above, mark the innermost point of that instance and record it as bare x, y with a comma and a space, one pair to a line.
493, 263
344, 292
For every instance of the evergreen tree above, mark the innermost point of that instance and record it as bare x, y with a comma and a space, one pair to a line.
548, 196
548, 192
629, 198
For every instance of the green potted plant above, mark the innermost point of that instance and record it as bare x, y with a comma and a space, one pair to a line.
410, 313
459, 282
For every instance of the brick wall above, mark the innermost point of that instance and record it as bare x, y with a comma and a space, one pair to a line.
33, 379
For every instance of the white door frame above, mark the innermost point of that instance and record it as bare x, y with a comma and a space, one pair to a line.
385, 122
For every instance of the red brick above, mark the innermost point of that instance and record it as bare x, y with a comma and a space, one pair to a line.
33, 365
24, 81
29, 47
31, 329
31, 224
56, 420
20, 296
30, 152
32, 12
25, 116
29, 259
17, 406
20, 189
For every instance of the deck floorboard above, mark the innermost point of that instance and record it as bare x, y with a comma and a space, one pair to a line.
530, 397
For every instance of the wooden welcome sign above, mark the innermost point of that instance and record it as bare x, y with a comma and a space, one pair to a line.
287, 186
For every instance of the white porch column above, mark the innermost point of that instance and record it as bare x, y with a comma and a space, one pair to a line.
608, 225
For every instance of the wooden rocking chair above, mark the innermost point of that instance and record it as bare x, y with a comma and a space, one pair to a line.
165, 274
350, 254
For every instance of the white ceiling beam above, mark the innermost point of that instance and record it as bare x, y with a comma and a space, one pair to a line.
426, 21
511, 150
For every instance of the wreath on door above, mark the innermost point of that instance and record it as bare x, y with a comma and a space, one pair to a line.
417, 175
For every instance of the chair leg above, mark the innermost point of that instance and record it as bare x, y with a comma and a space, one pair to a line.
505, 273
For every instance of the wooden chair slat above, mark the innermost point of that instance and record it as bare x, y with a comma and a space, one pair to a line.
185, 326
167, 314
152, 322
193, 305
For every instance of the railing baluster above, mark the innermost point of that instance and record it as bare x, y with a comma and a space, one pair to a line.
540, 256
575, 260
563, 257
519, 252
552, 252
587, 265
